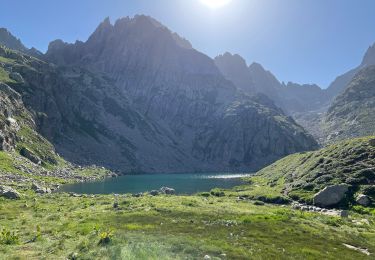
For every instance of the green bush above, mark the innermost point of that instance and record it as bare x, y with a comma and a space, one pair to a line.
8, 237
105, 237
217, 193
204, 194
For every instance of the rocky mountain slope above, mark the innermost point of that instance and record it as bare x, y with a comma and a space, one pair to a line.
301, 176
25, 156
87, 119
11, 42
352, 113
293, 98
181, 90
338, 86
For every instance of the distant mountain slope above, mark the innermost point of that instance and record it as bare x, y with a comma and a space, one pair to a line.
293, 98
352, 113
181, 89
340, 83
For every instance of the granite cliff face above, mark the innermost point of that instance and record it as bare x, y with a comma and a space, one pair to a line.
88, 120
352, 113
180, 89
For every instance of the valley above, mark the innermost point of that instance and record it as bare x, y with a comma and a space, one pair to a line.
135, 145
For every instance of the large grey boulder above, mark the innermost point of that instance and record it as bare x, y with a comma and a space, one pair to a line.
168, 191
330, 195
38, 189
363, 200
154, 192
9, 193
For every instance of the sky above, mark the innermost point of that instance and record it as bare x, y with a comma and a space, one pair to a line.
303, 41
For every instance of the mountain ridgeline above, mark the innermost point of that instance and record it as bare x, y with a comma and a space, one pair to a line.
353, 112
136, 97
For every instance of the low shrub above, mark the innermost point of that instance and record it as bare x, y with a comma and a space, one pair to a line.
105, 237
217, 193
8, 237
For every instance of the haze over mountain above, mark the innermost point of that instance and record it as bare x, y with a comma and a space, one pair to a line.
293, 98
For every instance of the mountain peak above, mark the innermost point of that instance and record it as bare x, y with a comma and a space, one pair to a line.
10, 41
233, 59
369, 58
256, 67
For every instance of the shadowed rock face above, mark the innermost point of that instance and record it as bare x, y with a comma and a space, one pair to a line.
213, 125
10, 106
352, 113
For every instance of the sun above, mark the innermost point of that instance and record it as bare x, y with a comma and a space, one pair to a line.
215, 3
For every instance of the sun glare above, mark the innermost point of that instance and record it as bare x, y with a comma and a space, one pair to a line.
215, 3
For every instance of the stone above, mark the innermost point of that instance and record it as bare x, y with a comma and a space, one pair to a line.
154, 192
372, 142
38, 189
137, 195
207, 257
25, 152
9, 193
330, 195
363, 200
168, 191
343, 213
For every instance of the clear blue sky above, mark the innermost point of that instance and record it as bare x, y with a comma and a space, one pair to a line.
305, 41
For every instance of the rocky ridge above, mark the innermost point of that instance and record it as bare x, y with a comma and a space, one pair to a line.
182, 90
352, 113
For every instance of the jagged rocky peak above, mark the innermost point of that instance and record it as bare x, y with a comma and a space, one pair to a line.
182, 91
369, 58
235, 69
139, 25
140, 41
257, 68
11, 42
304, 86
228, 59
57, 45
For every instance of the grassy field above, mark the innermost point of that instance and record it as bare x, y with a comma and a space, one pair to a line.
59, 226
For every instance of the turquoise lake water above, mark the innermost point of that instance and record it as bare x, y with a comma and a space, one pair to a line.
183, 183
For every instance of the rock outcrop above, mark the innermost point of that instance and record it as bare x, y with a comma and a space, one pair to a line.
363, 200
330, 195
39, 189
9, 193
167, 190
30, 155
